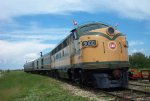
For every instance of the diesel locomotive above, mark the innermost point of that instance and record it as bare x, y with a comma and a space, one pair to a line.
92, 54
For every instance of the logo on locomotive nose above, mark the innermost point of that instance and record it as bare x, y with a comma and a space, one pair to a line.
112, 45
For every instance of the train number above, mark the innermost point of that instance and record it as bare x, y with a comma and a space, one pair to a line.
89, 43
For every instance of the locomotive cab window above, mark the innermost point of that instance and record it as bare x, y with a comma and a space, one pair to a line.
88, 28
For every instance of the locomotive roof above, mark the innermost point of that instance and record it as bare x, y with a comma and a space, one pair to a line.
91, 23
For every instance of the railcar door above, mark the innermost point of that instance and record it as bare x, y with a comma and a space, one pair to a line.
72, 47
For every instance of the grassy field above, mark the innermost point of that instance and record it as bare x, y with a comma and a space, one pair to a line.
20, 86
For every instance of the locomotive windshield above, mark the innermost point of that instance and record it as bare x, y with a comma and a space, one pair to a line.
90, 27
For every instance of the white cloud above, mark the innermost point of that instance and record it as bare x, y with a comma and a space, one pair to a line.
135, 43
26, 44
30, 57
136, 9
40, 37
14, 54
142, 50
136, 46
36, 33
43, 30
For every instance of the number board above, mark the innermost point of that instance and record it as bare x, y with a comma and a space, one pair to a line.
89, 43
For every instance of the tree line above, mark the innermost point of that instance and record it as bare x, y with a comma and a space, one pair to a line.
139, 60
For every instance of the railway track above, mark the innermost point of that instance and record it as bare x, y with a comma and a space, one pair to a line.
122, 94
139, 85
129, 95
117, 94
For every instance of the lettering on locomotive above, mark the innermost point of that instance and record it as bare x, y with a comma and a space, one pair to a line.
89, 43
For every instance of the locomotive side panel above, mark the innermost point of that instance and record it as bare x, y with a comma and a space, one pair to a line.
61, 58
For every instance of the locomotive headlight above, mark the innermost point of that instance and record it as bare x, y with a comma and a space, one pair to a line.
89, 43
110, 31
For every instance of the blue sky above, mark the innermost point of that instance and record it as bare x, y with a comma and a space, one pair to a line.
28, 27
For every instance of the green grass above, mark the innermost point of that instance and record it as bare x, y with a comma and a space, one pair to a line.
20, 86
